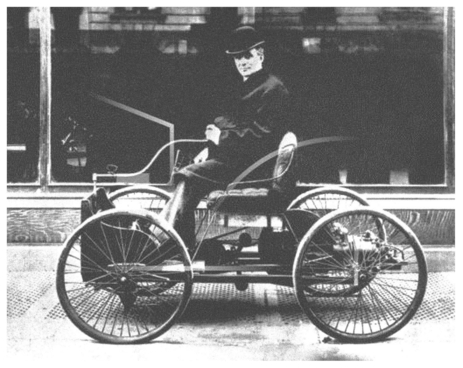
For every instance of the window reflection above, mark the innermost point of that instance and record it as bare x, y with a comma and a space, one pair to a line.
385, 88
23, 68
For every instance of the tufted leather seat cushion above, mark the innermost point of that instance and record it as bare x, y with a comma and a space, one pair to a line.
262, 200
248, 200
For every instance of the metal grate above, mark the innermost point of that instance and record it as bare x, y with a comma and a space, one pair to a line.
56, 312
288, 306
222, 303
438, 303
209, 302
26, 288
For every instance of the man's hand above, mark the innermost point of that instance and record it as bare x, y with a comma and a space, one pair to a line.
202, 156
213, 133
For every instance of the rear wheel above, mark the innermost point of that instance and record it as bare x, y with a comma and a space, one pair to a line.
322, 201
124, 276
373, 278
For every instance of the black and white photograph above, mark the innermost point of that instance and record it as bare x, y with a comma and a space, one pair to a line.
230, 183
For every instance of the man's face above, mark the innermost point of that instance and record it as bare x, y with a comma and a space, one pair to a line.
249, 62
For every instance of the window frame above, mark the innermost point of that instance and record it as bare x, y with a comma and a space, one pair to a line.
44, 184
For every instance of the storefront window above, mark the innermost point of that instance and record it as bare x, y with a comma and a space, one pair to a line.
372, 74
23, 77
391, 103
112, 84
353, 75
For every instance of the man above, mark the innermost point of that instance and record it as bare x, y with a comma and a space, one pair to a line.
238, 138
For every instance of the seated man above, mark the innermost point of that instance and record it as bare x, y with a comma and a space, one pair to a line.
238, 138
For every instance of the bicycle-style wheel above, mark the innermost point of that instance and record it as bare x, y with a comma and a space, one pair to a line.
144, 197
377, 280
124, 276
322, 201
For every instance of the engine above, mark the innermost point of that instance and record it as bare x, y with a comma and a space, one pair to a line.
367, 249
277, 246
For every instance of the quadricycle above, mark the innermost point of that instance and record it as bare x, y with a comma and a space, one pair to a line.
126, 276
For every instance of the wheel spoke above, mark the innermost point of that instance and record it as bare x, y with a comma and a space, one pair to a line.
381, 283
108, 294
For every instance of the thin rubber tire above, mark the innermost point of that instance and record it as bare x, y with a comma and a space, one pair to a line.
105, 289
394, 289
146, 197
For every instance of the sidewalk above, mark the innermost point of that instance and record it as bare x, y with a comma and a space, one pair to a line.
262, 323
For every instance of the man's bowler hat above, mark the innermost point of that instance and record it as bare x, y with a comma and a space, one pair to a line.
242, 39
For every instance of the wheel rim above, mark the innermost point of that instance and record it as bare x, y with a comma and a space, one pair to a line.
322, 201
120, 284
370, 288
148, 198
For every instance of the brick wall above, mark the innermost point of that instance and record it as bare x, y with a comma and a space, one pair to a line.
349, 18
331, 24
164, 19
47, 225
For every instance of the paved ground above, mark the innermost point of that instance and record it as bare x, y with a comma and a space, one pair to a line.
220, 323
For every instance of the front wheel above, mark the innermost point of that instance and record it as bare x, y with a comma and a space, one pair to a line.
124, 276
144, 197
373, 277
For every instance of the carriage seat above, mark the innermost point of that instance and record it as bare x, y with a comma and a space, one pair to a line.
95, 202
261, 196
